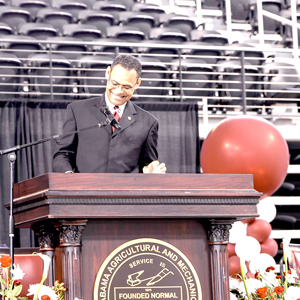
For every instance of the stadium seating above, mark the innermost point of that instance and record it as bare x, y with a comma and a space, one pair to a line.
126, 33
168, 35
197, 79
70, 47
50, 76
209, 36
231, 83
144, 21
37, 30
155, 82
10, 76
100, 19
22, 48
85, 32
55, 17
184, 23
14, 16
91, 74
113, 49
33, 6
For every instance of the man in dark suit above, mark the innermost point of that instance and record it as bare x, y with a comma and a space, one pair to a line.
131, 148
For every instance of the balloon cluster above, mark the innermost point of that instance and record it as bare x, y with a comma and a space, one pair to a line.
249, 145
251, 238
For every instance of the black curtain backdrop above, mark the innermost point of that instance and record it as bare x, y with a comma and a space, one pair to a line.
23, 122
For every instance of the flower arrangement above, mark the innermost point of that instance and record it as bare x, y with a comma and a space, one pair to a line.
11, 283
267, 285
263, 282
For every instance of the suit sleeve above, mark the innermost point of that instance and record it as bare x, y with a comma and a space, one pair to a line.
64, 158
149, 150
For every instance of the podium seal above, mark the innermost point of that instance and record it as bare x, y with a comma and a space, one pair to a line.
147, 269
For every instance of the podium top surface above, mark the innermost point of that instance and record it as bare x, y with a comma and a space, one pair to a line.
95, 196
137, 184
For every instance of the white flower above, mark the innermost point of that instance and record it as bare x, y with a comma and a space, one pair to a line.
17, 272
292, 293
269, 278
252, 285
291, 278
44, 290
46, 263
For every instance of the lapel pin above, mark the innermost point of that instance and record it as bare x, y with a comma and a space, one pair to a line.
129, 118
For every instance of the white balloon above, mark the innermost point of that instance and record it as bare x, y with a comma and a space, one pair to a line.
266, 210
238, 230
247, 247
261, 262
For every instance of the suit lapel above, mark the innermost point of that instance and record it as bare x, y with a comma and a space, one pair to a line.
128, 118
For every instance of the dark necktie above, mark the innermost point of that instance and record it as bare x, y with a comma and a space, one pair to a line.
116, 115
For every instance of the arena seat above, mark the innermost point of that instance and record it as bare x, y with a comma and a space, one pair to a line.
209, 36
14, 16
126, 33
37, 30
197, 76
10, 75
143, 21
5, 29
240, 10
91, 74
86, 32
167, 34
184, 23
149, 8
33, 6
70, 51
211, 56
155, 80
110, 6
44, 80
55, 17
270, 26
164, 54
74, 7
281, 80
100, 19
231, 83
255, 57
110, 49
22, 48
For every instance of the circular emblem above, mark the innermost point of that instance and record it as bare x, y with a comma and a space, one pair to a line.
147, 269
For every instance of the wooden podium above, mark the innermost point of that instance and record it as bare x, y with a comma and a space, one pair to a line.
80, 219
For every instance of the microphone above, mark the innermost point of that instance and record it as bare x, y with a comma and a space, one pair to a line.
111, 118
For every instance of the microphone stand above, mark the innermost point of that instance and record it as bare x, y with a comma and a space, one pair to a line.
12, 159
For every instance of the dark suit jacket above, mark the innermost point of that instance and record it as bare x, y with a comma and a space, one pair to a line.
97, 150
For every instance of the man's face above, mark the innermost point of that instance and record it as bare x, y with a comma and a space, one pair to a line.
120, 84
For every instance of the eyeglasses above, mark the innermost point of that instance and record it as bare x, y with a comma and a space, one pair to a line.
116, 85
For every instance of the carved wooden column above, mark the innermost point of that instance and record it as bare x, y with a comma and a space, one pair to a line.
48, 240
218, 239
70, 237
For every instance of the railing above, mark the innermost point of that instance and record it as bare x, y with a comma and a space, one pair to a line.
230, 78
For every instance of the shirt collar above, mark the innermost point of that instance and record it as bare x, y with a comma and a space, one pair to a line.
111, 106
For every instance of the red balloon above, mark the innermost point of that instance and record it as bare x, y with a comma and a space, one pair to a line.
248, 221
231, 250
259, 229
269, 246
247, 145
234, 265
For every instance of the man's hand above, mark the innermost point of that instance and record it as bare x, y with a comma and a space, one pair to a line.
155, 167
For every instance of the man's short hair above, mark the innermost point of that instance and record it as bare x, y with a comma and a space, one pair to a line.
128, 62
